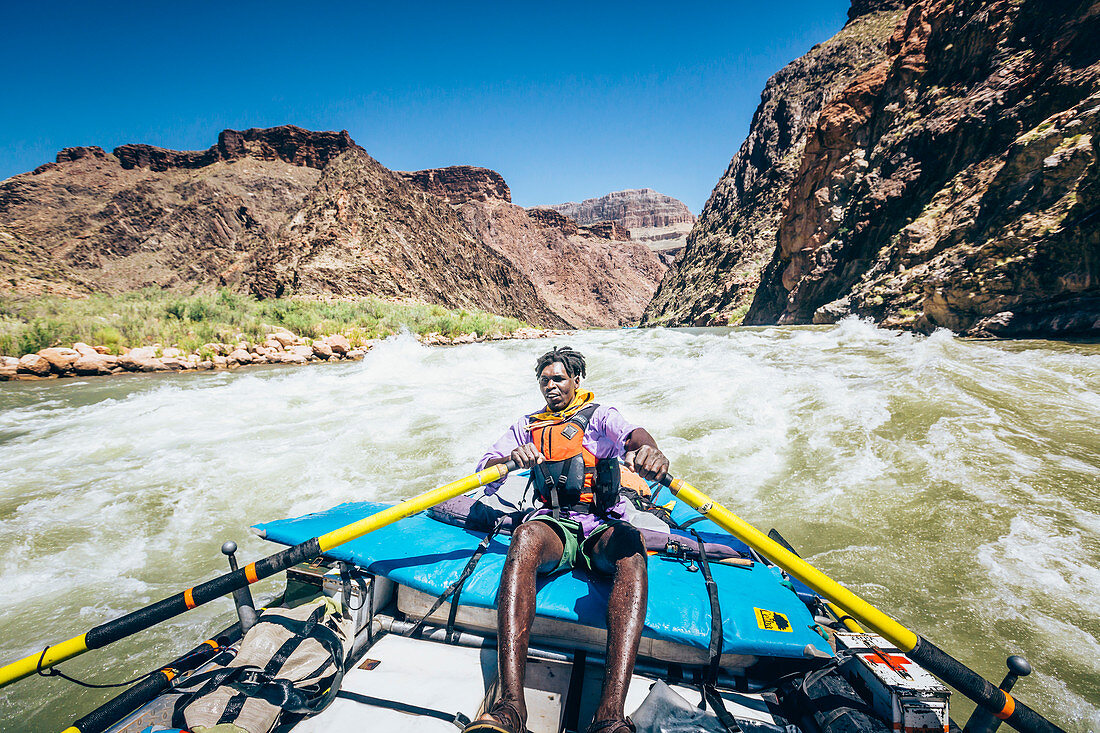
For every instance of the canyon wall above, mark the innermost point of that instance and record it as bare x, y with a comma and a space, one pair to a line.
714, 278
949, 180
659, 221
286, 211
591, 275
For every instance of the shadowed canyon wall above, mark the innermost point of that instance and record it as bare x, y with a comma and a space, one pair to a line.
952, 182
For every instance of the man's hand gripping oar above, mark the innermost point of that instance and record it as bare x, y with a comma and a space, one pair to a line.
922, 651
151, 615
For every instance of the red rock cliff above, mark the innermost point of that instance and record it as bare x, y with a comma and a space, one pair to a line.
288, 143
458, 184
633, 209
589, 276
956, 184
715, 276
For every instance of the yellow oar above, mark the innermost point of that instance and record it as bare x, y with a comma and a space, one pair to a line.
143, 618
838, 613
922, 651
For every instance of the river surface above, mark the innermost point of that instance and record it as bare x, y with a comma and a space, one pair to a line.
952, 483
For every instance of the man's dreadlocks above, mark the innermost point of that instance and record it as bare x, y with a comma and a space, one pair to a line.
573, 361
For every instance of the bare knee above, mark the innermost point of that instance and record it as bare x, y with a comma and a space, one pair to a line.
622, 550
535, 544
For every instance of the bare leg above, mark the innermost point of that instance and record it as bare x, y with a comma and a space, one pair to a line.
535, 548
620, 553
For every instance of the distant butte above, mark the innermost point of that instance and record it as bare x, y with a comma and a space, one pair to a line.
659, 221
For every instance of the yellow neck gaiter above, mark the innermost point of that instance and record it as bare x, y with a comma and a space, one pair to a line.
582, 398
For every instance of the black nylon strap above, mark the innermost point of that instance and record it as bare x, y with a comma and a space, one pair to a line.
283, 653
310, 628
455, 588
293, 625
715, 613
233, 708
459, 719
572, 713
718, 705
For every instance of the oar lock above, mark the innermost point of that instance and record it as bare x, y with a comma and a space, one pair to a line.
982, 720
242, 597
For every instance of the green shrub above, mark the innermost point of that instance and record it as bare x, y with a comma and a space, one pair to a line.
40, 334
152, 315
110, 337
200, 310
177, 309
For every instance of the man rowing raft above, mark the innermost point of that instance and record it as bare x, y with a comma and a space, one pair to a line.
573, 449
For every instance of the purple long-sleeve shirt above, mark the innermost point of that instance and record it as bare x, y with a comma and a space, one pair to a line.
605, 437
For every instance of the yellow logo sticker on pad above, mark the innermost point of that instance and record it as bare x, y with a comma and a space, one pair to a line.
772, 620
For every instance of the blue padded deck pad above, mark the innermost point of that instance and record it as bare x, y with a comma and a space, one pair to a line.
711, 532
428, 556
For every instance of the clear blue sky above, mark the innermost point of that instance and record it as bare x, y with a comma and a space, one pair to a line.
566, 100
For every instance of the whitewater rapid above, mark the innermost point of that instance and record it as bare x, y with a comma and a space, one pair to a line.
952, 483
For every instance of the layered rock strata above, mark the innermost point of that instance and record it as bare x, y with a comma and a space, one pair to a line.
659, 221
145, 216
952, 182
634, 209
588, 275
287, 211
458, 184
714, 278
957, 183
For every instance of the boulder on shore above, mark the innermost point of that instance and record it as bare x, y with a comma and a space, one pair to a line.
285, 338
92, 364
322, 350
9, 367
239, 356
338, 343
61, 359
34, 364
173, 363
141, 359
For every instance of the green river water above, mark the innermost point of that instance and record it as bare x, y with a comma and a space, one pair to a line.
953, 483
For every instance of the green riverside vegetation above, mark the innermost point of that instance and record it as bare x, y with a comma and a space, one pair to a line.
153, 316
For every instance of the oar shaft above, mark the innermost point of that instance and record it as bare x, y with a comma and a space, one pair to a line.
856, 607
922, 651
143, 618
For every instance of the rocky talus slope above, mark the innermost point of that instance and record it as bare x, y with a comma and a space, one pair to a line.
659, 221
365, 229
954, 183
588, 275
957, 183
284, 210
714, 278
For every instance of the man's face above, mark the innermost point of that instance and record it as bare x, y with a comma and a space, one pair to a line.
557, 386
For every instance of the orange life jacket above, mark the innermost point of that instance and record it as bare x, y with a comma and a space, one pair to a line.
568, 477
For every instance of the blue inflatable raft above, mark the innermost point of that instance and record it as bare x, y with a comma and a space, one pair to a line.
762, 616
